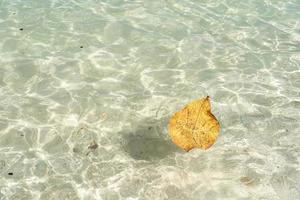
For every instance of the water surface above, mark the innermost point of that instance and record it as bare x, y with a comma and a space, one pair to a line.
87, 88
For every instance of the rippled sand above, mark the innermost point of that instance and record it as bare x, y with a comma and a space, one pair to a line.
87, 89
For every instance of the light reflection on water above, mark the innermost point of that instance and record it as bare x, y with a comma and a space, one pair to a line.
78, 73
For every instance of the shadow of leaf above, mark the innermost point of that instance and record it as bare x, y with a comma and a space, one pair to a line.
147, 143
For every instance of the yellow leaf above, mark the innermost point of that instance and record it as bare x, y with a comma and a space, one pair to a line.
194, 126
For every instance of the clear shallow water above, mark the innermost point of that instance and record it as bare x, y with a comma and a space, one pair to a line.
78, 73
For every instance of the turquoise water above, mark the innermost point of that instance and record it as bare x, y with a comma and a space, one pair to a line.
87, 88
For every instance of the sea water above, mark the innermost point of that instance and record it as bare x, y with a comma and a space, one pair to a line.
87, 88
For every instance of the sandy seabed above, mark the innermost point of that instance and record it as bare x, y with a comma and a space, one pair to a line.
87, 89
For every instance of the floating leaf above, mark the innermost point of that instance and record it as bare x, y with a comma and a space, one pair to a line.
194, 126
